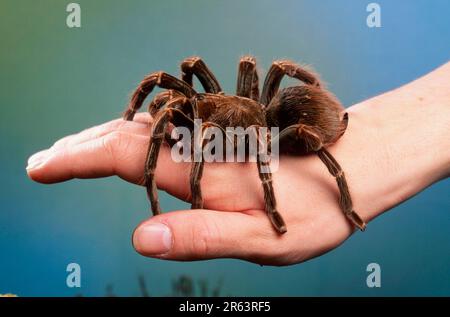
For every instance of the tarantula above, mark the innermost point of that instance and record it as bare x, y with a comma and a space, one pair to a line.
309, 117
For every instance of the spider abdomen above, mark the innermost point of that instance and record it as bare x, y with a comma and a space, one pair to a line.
310, 106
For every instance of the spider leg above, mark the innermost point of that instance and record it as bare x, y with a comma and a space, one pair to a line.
158, 134
195, 66
160, 79
265, 175
161, 99
276, 73
197, 169
197, 165
247, 81
313, 142
172, 113
345, 200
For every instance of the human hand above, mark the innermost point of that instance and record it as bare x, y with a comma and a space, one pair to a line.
395, 145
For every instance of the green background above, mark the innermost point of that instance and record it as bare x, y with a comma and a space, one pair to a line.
56, 81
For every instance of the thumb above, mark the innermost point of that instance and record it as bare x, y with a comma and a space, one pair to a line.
206, 234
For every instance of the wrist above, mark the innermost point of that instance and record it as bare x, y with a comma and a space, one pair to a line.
404, 137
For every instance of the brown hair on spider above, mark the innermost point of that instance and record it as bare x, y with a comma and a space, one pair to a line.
309, 118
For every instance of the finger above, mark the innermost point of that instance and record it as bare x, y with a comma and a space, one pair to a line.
208, 234
123, 154
117, 153
141, 126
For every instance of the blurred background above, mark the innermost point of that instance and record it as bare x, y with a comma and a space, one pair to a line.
56, 80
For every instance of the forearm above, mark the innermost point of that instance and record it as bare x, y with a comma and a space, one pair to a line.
406, 136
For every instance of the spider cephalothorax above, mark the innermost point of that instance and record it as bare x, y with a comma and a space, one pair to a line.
308, 116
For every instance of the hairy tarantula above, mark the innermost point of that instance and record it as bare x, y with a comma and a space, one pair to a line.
308, 116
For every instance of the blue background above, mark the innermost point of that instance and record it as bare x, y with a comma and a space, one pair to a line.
55, 81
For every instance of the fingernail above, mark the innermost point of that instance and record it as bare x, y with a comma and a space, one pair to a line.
35, 163
37, 159
152, 239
